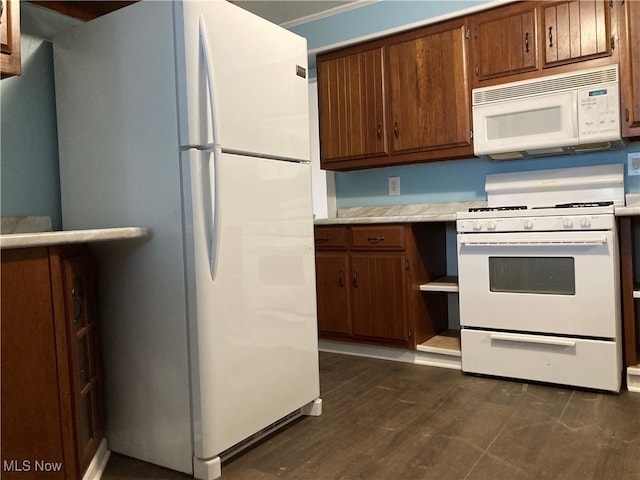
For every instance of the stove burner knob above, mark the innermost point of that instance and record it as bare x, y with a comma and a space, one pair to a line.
528, 224
477, 226
585, 222
567, 223
491, 225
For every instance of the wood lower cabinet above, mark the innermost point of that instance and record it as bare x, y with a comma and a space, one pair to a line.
368, 283
10, 63
52, 410
630, 275
629, 27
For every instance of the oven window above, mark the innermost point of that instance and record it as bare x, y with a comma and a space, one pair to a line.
543, 275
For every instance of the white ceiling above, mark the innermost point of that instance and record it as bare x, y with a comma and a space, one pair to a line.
294, 12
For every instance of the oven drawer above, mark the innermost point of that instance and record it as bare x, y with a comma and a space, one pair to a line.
564, 360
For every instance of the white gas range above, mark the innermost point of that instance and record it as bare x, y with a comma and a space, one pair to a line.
538, 278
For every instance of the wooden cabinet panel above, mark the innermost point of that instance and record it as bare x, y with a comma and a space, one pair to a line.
575, 30
10, 38
379, 286
82, 332
31, 421
428, 89
630, 68
51, 383
398, 100
331, 238
378, 237
332, 286
505, 41
351, 106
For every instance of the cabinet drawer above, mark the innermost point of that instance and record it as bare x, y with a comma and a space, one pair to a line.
379, 237
331, 238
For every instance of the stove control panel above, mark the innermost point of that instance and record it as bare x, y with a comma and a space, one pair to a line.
536, 224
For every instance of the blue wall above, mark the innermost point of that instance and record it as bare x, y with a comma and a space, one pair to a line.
437, 181
30, 178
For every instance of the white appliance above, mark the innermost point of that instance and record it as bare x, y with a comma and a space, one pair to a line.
192, 119
572, 112
539, 281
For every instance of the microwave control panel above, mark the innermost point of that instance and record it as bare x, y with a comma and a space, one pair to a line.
599, 113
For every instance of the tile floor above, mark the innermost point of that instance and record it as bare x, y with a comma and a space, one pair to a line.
390, 420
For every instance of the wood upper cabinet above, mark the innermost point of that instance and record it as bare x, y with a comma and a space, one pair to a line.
397, 100
505, 41
428, 89
351, 109
535, 38
575, 30
51, 382
629, 28
10, 39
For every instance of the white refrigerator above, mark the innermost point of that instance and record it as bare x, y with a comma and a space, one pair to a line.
192, 119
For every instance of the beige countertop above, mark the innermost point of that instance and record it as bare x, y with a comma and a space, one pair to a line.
425, 212
433, 212
39, 239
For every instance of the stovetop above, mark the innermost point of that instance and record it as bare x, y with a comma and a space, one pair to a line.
561, 217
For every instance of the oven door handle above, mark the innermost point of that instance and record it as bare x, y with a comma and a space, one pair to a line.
469, 241
505, 337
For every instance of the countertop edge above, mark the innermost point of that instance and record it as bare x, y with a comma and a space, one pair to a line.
41, 239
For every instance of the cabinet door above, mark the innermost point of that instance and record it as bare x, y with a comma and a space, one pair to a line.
504, 41
332, 286
574, 31
82, 327
378, 295
31, 421
10, 38
428, 88
630, 69
351, 105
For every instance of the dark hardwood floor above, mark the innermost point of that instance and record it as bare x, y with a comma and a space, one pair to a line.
388, 420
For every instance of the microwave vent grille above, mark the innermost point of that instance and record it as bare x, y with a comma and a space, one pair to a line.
555, 83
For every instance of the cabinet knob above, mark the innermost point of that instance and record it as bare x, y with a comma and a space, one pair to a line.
354, 282
375, 239
526, 42
379, 131
551, 36
395, 128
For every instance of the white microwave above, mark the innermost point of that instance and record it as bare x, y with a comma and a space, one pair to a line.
557, 114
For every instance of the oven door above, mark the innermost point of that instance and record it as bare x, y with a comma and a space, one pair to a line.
549, 282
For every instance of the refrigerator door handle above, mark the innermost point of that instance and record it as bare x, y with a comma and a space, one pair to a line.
208, 71
212, 195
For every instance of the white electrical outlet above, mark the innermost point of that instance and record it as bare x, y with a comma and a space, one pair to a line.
394, 185
634, 163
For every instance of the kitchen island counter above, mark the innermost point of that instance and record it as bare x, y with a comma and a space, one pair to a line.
39, 239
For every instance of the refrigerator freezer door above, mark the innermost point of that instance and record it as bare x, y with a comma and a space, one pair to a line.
257, 72
253, 318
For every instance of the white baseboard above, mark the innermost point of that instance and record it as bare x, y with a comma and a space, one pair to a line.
98, 463
633, 379
416, 357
